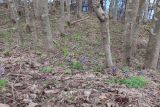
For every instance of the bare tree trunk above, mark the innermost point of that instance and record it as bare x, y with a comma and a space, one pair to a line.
153, 49
12, 10
79, 8
68, 10
113, 9
62, 20
90, 6
141, 10
27, 17
104, 24
42, 12
146, 6
139, 20
15, 18
131, 15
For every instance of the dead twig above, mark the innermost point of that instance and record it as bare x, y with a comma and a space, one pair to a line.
71, 23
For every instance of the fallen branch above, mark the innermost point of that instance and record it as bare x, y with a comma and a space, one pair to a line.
71, 23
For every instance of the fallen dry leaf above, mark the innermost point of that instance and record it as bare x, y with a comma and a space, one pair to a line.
32, 104
4, 105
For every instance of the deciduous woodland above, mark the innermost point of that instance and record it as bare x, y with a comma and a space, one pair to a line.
79, 53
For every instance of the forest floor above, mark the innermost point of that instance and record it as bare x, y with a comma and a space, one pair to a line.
74, 74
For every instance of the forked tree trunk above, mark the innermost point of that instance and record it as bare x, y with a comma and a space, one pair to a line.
153, 49
104, 24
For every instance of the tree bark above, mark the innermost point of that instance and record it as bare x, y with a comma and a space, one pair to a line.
68, 10
104, 24
153, 49
90, 6
113, 9
79, 8
62, 20
42, 15
130, 21
15, 18
27, 16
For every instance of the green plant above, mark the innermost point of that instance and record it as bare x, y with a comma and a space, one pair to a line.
77, 65
125, 69
47, 69
7, 52
4, 34
67, 70
3, 83
65, 51
13, 29
77, 36
113, 81
133, 82
98, 69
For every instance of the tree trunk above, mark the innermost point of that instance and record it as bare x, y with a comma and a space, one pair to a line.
90, 6
130, 21
145, 11
104, 24
62, 20
153, 49
79, 8
12, 10
136, 27
68, 10
113, 9
27, 16
42, 13
15, 18
141, 10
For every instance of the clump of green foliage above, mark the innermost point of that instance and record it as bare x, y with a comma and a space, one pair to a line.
98, 69
125, 69
76, 36
46, 69
13, 29
7, 52
66, 68
65, 51
4, 34
133, 82
77, 65
3, 83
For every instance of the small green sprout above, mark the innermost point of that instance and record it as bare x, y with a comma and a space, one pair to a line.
77, 65
3, 83
47, 69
